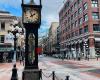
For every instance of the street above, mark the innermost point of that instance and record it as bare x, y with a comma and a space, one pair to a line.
77, 70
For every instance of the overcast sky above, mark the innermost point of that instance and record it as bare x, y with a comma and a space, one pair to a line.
50, 11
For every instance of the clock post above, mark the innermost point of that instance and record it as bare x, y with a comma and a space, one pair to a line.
31, 18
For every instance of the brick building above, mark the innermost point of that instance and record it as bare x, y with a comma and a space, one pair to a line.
80, 28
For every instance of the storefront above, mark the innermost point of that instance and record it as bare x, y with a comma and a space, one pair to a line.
6, 52
97, 46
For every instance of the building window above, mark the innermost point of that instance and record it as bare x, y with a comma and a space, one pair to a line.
66, 29
75, 5
2, 26
94, 3
71, 0
72, 17
72, 34
75, 14
80, 10
76, 33
68, 19
72, 25
76, 23
79, 1
80, 31
68, 36
85, 17
68, 12
96, 27
80, 20
69, 27
85, 29
95, 15
2, 39
85, 6
72, 9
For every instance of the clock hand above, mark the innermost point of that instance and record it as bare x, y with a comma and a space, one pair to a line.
32, 15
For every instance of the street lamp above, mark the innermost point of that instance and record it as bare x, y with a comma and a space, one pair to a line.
15, 30
86, 47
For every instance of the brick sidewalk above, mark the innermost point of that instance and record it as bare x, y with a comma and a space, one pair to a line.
91, 62
6, 70
84, 64
88, 68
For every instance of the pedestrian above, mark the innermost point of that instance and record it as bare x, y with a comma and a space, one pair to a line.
67, 77
14, 73
20, 59
63, 57
23, 61
97, 57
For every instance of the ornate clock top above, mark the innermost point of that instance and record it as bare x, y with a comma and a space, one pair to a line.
32, 2
31, 13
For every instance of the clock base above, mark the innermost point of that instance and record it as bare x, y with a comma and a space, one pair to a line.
31, 74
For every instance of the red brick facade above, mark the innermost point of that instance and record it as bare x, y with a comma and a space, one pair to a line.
79, 21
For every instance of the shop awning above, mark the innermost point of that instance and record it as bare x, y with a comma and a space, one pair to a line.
6, 47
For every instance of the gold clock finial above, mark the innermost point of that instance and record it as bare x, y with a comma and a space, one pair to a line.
32, 2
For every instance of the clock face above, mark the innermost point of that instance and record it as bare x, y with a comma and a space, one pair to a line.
31, 16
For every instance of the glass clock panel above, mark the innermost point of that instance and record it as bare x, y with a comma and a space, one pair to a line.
31, 15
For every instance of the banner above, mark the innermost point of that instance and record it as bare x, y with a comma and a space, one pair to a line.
9, 38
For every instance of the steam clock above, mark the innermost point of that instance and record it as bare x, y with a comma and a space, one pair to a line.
31, 18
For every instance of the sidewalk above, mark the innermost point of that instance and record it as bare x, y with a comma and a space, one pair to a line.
88, 70
6, 70
91, 62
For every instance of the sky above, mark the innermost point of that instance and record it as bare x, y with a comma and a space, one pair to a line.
50, 11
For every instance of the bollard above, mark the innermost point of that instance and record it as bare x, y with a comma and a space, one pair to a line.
67, 78
14, 73
53, 75
40, 74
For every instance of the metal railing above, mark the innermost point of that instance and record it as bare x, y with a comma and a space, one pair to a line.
53, 76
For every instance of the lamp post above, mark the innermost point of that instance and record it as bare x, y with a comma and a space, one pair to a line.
15, 30
86, 50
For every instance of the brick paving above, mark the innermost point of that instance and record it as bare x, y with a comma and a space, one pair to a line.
6, 70
93, 74
82, 64
74, 64
91, 67
92, 63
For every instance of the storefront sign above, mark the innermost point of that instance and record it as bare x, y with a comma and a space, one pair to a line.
6, 49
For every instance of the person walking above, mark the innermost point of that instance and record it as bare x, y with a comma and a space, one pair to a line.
20, 59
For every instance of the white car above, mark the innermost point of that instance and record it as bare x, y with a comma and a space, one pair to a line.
40, 56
